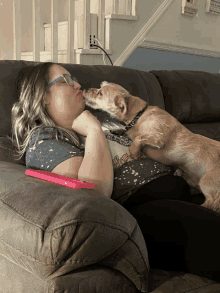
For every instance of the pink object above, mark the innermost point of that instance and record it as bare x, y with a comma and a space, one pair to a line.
59, 179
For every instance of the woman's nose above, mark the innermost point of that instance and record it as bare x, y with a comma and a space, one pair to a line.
76, 85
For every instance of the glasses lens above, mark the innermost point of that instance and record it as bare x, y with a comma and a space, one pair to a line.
70, 80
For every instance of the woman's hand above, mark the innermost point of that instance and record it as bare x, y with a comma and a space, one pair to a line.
96, 166
86, 122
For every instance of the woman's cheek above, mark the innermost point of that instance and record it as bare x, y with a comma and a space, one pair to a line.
60, 104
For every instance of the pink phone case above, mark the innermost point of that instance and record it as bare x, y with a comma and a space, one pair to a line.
59, 179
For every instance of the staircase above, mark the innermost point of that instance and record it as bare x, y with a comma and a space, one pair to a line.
69, 41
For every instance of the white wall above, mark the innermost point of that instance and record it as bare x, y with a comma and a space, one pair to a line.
173, 27
202, 31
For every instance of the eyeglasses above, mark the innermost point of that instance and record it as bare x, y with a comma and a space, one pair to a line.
66, 78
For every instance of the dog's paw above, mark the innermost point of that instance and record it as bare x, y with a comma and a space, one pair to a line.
136, 155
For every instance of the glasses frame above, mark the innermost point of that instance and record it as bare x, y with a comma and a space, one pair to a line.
62, 76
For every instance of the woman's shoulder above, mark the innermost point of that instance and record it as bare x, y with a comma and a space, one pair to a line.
49, 133
41, 133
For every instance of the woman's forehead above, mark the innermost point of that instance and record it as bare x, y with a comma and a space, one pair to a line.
57, 70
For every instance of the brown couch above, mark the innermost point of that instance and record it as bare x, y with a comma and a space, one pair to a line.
57, 239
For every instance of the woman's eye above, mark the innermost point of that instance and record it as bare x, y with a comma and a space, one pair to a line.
74, 79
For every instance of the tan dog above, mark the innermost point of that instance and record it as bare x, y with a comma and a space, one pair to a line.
163, 138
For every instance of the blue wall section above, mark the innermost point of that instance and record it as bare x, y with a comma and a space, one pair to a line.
149, 59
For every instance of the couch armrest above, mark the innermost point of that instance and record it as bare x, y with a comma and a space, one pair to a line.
91, 280
51, 230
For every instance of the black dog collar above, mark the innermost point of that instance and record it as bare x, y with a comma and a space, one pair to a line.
131, 124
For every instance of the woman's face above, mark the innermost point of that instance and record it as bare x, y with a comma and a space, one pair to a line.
64, 102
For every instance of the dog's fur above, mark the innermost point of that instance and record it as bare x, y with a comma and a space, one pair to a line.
163, 138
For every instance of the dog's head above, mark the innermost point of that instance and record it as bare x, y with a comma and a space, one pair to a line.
110, 97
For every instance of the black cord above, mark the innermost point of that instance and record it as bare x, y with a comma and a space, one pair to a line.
102, 50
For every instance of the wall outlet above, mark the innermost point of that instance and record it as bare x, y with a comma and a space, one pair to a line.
93, 41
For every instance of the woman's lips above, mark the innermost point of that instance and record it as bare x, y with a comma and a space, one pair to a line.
80, 94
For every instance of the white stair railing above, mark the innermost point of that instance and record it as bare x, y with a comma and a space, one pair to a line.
16, 30
129, 9
71, 37
54, 31
101, 22
36, 29
133, 7
115, 6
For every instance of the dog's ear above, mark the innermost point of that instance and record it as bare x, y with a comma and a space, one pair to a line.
104, 83
122, 104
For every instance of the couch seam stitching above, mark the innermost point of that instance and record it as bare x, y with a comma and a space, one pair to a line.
74, 221
55, 264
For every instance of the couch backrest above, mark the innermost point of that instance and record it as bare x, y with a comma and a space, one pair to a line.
139, 83
190, 96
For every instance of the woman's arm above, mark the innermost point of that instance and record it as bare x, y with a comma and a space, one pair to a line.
97, 166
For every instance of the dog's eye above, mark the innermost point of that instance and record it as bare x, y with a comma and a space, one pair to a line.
100, 93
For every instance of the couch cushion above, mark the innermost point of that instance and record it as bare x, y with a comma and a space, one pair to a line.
190, 96
50, 230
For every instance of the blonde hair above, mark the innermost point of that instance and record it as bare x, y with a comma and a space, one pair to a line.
29, 114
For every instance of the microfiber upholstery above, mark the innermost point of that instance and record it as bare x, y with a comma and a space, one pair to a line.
51, 230
190, 96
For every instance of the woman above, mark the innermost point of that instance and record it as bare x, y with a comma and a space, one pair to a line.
179, 235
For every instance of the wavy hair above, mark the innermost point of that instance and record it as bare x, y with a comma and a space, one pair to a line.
29, 114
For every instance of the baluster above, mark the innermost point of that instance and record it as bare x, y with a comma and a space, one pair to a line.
86, 24
128, 7
133, 7
16, 30
115, 7
54, 31
70, 42
101, 22
36, 29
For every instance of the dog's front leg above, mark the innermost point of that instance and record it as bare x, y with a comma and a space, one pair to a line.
209, 185
135, 149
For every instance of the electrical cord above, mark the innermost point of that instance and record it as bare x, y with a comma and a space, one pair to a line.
104, 55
